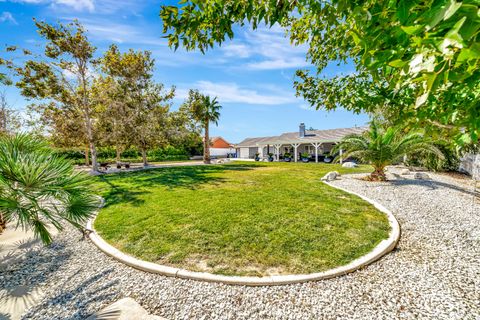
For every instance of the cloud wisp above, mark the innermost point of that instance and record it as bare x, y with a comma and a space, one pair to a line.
233, 93
266, 49
7, 17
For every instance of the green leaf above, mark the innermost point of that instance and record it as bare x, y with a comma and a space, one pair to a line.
412, 29
443, 12
399, 63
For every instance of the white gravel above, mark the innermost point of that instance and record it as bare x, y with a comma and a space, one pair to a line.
433, 274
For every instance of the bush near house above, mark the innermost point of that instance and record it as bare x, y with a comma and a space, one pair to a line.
107, 154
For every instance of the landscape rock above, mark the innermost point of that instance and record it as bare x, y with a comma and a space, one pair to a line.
332, 175
405, 172
349, 165
421, 176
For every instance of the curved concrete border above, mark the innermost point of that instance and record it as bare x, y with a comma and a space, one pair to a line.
380, 250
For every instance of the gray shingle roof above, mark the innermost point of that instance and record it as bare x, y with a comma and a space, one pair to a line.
330, 135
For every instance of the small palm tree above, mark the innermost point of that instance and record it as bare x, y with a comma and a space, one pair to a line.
382, 147
39, 189
206, 110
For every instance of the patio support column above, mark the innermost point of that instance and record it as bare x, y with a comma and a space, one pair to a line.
341, 156
277, 150
316, 145
295, 146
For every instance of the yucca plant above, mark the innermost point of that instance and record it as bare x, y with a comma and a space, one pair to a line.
381, 147
39, 189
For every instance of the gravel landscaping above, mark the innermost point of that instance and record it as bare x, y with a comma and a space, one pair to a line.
433, 274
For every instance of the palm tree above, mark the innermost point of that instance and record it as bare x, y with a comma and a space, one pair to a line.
39, 189
382, 147
206, 110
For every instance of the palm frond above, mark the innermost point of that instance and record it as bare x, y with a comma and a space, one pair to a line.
40, 189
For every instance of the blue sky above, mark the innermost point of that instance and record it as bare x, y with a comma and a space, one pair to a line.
251, 75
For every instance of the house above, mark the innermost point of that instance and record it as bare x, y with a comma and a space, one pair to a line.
220, 147
314, 142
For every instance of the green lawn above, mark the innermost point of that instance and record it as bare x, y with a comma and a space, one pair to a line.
238, 219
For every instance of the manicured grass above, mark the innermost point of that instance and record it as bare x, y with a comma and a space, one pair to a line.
238, 219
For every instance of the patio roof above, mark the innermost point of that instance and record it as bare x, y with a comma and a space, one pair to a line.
311, 136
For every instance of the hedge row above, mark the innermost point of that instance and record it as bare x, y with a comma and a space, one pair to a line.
109, 155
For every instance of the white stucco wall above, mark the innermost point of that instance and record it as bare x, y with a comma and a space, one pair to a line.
221, 152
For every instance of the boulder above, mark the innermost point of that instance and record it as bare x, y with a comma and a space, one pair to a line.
405, 172
332, 175
421, 176
349, 165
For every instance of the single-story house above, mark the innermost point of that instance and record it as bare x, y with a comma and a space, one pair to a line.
219, 147
314, 142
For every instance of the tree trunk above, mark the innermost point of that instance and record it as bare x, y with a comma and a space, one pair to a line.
87, 158
91, 142
378, 174
93, 151
144, 157
3, 223
119, 153
206, 145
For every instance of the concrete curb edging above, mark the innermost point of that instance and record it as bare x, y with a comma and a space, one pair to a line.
384, 247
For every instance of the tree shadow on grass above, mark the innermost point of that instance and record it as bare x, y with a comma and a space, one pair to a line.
129, 186
120, 194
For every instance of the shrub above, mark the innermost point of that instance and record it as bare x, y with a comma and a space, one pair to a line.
450, 162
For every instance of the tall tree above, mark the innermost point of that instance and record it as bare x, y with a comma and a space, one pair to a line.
139, 106
150, 120
204, 110
114, 121
63, 75
183, 132
431, 47
63, 126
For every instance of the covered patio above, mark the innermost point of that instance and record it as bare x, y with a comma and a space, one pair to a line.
316, 143
316, 150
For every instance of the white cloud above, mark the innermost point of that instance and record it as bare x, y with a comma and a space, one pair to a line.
104, 30
278, 64
7, 17
236, 50
266, 49
233, 93
97, 6
305, 106
77, 5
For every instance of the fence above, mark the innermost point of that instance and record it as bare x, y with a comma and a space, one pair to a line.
470, 163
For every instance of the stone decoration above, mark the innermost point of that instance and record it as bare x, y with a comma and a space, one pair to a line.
421, 176
349, 165
332, 175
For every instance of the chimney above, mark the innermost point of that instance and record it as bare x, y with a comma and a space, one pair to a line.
301, 132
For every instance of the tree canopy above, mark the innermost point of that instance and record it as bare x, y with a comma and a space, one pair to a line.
429, 47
